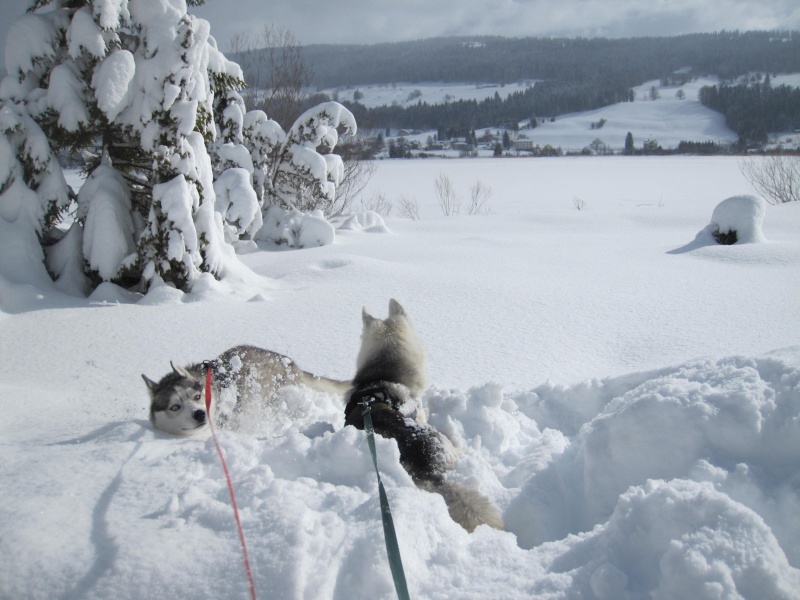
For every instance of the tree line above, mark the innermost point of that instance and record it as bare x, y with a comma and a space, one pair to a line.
754, 110
546, 99
621, 62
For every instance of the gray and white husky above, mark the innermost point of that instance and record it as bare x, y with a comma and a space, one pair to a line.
241, 376
390, 377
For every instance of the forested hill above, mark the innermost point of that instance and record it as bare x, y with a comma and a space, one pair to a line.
618, 62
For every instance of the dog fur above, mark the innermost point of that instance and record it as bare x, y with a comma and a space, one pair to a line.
241, 375
390, 371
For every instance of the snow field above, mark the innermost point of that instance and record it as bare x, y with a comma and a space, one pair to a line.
628, 397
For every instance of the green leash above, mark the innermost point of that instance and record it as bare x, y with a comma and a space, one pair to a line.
392, 549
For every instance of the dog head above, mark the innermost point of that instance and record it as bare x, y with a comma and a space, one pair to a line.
391, 350
177, 403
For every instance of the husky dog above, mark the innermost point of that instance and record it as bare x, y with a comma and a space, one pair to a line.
390, 377
239, 376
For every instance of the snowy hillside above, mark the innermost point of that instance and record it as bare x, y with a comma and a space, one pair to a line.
625, 391
668, 120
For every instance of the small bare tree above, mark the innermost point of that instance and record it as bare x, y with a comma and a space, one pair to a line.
480, 194
446, 195
378, 203
275, 71
358, 170
777, 178
409, 208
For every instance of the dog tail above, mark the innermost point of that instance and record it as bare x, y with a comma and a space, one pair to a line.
466, 505
323, 384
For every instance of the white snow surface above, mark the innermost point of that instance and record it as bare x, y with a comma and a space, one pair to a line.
628, 398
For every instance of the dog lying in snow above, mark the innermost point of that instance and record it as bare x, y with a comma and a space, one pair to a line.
250, 374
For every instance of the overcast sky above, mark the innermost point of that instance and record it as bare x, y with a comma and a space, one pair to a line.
372, 21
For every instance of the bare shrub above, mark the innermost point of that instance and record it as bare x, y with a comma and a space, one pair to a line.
446, 195
777, 178
409, 208
480, 194
579, 203
378, 203
358, 170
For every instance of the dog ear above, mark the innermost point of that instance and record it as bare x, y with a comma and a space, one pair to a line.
395, 309
151, 385
366, 318
181, 371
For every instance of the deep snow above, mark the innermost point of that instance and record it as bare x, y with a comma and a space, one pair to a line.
625, 391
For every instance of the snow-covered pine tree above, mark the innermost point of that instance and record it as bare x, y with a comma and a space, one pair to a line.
171, 110
133, 83
33, 192
140, 88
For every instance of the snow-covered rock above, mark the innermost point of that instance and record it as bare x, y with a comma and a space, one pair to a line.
738, 220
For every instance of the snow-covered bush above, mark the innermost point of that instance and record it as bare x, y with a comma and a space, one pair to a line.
300, 177
295, 229
738, 220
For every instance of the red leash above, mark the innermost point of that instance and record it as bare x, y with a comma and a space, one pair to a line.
230, 486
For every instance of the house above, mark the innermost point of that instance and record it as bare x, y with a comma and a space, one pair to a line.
524, 144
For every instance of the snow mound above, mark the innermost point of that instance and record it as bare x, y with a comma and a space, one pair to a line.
681, 539
732, 422
368, 221
738, 220
295, 229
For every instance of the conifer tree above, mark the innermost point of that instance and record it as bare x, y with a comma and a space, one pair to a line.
629, 148
131, 84
175, 167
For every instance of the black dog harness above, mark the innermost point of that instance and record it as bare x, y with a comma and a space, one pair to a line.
421, 449
378, 398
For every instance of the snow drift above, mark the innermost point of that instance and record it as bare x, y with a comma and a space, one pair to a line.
683, 486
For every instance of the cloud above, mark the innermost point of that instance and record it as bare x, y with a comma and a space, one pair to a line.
373, 21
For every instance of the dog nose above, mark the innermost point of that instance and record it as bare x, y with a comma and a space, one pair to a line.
199, 415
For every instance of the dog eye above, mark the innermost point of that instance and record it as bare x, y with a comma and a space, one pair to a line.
197, 398
175, 407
